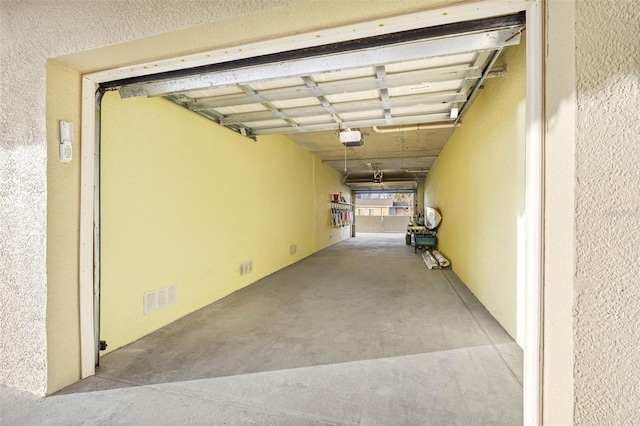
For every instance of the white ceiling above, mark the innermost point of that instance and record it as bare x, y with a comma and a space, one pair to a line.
402, 96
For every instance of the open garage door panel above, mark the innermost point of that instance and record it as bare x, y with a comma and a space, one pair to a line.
421, 80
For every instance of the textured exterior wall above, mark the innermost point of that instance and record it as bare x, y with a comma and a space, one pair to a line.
94, 35
607, 286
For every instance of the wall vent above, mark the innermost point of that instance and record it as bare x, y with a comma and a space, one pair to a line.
245, 267
159, 298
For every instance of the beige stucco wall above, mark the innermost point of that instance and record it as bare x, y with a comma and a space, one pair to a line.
607, 207
89, 36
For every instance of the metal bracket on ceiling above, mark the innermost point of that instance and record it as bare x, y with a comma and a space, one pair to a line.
243, 131
479, 84
497, 71
516, 33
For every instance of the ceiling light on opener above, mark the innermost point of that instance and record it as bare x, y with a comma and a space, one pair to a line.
351, 137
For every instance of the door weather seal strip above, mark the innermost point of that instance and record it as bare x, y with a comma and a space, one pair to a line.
99, 345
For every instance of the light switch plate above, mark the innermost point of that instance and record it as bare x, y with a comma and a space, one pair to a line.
66, 132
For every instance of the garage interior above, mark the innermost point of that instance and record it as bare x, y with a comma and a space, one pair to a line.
196, 212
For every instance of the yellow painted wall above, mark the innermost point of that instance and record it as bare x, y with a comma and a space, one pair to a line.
63, 193
185, 201
477, 183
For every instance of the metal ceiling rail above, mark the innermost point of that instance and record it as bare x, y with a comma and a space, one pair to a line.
258, 98
409, 119
386, 186
478, 84
328, 107
381, 76
380, 159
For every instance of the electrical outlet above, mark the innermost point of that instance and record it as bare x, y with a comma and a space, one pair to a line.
293, 248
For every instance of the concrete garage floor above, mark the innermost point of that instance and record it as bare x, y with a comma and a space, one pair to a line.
361, 333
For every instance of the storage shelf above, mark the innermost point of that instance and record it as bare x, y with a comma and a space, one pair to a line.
341, 214
342, 203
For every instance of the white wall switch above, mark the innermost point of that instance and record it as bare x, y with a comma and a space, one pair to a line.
66, 132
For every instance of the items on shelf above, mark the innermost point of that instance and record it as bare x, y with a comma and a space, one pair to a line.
338, 197
341, 214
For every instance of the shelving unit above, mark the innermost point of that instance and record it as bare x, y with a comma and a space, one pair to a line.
342, 214
341, 203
